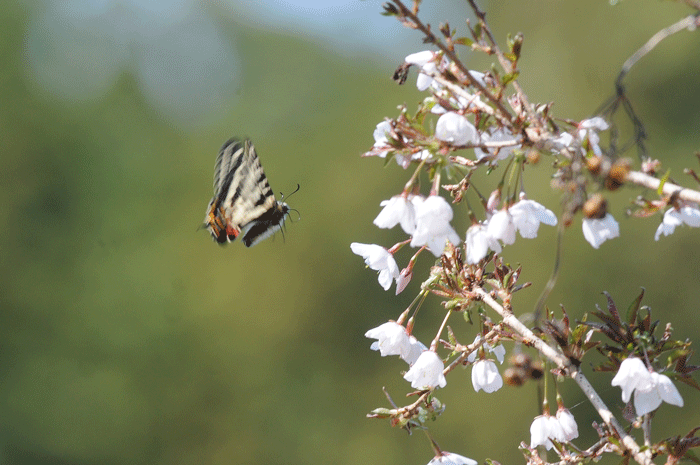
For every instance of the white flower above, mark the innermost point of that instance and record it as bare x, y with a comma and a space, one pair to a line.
597, 123
672, 218
545, 428
392, 339
499, 351
420, 58
568, 425
501, 227
527, 216
564, 140
378, 259
496, 135
380, 138
455, 129
448, 458
425, 61
485, 376
479, 241
650, 388
632, 374
398, 209
662, 389
426, 372
587, 129
541, 431
415, 348
596, 231
433, 216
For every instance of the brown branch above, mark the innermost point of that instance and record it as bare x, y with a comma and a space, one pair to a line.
563, 363
650, 182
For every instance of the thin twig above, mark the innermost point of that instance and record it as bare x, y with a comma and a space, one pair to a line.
685, 23
505, 63
455, 59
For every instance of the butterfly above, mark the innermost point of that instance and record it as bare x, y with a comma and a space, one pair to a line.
243, 202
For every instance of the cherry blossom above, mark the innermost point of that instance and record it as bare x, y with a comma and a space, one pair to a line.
598, 230
485, 376
448, 458
426, 62
501, 227
380, 138
433, 229
650, 388
672, 218
567, 423
546, 428
398, 209
499, 351
426, 372
588, 129
392, 339
379, 259
455, 129
479, 241
527, 216
496, 135
541, 430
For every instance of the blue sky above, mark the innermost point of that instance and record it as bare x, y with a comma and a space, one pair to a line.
182, 61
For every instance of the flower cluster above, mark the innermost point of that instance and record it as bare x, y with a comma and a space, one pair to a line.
523, 217
426, 219
466, 111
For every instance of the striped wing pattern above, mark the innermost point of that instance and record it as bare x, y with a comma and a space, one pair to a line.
243, 202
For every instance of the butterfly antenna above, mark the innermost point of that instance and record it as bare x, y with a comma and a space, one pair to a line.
295, 191
297, 212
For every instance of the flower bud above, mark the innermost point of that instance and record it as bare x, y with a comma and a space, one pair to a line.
593, 164
617, 174
515, 377
595, 207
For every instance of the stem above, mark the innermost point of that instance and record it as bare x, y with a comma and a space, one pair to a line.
433, 345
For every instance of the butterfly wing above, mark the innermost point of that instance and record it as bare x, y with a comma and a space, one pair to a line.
243, 201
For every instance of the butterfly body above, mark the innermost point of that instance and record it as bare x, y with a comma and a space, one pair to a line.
243, 202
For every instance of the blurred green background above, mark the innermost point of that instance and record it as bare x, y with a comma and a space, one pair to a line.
129, 337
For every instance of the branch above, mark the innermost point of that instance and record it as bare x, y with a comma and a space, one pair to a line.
650, 182
455, 59
685, 23
566, 366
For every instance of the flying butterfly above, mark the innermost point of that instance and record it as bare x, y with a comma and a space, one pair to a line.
243, 202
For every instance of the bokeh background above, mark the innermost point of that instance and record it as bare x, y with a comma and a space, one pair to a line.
128, 337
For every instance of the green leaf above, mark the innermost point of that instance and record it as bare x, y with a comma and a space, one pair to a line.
510, 77
664, 178
464, 41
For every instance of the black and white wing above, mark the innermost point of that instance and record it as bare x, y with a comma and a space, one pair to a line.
243, 202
